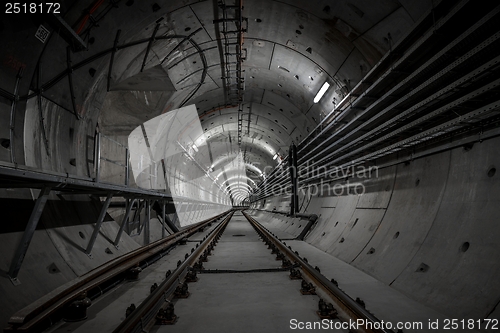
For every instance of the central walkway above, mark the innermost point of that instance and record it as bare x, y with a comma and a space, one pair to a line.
242, 302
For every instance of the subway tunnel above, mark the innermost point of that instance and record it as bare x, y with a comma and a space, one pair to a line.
358, 139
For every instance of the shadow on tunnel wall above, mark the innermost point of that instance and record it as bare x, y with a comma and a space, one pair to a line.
56, 214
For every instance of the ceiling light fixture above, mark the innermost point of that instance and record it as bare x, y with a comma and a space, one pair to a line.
321, 92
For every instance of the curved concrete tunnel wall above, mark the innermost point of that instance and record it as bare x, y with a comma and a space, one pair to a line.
410, 229
428, 228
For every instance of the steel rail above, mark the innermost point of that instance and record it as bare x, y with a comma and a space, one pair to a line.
343, 301
144, 315
31, 317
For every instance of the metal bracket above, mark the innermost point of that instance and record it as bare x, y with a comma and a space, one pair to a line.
98, 225
124, 222
28, 235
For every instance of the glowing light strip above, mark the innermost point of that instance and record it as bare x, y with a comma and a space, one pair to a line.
321, 92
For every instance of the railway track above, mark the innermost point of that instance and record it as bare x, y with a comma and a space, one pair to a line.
73, 296
228, 280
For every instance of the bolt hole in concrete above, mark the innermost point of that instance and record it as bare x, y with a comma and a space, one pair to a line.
5, 143
82, 236
372, 251
53, 269
298, 32
72, 162
396, 235
491, 172
468, 146
341, 240
258, 20
422, 268
464, 247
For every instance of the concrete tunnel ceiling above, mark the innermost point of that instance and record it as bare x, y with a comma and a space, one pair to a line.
289, 50
414, 89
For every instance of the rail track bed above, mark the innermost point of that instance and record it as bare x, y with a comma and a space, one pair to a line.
235, 275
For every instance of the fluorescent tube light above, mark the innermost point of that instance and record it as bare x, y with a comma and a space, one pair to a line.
321, 92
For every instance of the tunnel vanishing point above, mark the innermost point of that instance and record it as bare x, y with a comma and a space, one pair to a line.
145, 144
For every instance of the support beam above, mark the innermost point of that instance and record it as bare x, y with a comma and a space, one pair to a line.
146, 222
138, 216
13, 116
70, 81
110, 69
98, 225
28, 235
124, 221
292, 164
169, 222
127, 168
151, 41
97, 155
163, 219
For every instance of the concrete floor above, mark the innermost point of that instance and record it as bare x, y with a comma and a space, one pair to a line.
249, 302
107, 312
242, 302
384, 302
241, 248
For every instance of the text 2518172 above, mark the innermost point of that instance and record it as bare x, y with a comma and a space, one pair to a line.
32, 8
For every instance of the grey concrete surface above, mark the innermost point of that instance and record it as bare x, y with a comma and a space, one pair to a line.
238, 302
242, 302
424, 222
240, 248
108, 311
383, 301
440, 211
